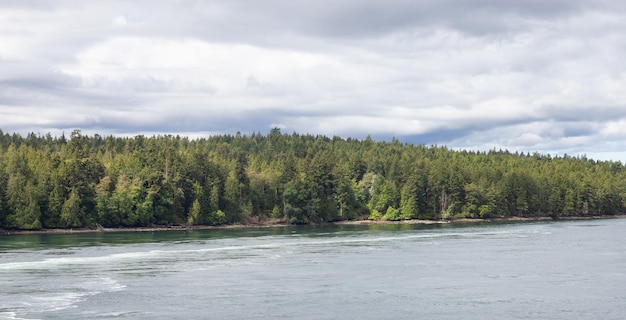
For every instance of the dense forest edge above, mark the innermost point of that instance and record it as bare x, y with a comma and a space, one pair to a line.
100, 182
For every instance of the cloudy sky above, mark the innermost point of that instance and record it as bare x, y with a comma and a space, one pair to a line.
532, 75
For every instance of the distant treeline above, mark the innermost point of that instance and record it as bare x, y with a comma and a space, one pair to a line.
89, 181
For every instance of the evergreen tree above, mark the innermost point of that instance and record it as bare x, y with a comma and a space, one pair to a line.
83, 181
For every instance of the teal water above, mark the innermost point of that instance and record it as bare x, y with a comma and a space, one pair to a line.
538, 270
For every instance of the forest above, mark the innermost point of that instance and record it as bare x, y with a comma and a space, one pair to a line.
85, 181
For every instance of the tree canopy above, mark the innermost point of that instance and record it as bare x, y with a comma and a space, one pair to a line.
88, 181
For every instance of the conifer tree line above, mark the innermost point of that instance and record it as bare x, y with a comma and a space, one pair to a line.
89, 181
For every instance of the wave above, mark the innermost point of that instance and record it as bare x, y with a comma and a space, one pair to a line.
60, 297
12, 315
73, 261
123, 314
277, 243
59, 301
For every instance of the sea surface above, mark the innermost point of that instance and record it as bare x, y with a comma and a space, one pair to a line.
525, 270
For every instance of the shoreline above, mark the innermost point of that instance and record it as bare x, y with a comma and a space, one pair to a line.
282, 224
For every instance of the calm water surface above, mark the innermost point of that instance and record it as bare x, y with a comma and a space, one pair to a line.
538, 270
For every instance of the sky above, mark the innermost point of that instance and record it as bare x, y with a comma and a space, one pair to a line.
545, 76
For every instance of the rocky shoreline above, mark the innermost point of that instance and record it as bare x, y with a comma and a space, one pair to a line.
281, 223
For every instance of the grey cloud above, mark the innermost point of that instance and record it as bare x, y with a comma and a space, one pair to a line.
584, 114
36, 79
255, 121
30, 5
274, 21
439, 137
556, 65
367, 18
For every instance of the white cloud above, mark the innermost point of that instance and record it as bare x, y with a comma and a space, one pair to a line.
545, 76
614, 129
120, 21
360, 125
195, 65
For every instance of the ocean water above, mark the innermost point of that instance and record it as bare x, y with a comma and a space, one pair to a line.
529, 270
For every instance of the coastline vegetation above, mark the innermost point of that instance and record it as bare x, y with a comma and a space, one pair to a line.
109, 182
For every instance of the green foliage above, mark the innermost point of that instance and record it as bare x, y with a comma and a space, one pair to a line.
375, 215
392, 214
107, 213
218, 217
48, 182
276, 212
194, 213
22, 198
72, 214
448, 213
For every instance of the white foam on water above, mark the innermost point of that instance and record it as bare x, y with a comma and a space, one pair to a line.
100, 285
344, 241
111, 285
58, 301
11, 315
62, 297
111, 259
76, 261
121, 314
